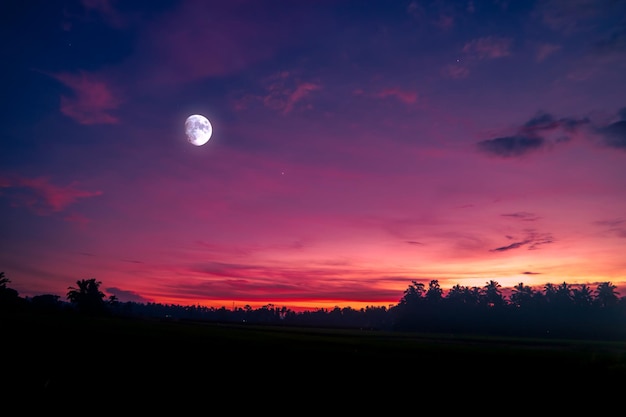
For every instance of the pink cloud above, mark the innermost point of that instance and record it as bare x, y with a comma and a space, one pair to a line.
93, 10
92, 99
243, 282
545, 50
445, 22
78, 219
570, 16
488, 47
106, 10
416, 10
407, 97
301, 91
208, 39
281, 93
455, 71
43, 197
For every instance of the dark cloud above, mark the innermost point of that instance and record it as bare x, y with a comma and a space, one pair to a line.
620, 232
522, 215
570, 125
611, 223
510, 146
531, 273
509, 247
531, 135
615, 226
615, 43
615, 134
413, 242
536, 239
543, 121
126, 296
532, 241
132, 261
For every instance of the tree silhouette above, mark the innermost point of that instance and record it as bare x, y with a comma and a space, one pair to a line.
413, 294
46, 302
9, 298
3, 281
87, 296
521, 295
583, 296
493, 295
462, 295
606, 294
434, 294
563, 295
561, 310
549, 292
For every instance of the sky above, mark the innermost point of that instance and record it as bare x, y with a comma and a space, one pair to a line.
357, 146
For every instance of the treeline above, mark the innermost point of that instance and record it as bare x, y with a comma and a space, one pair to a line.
554, 311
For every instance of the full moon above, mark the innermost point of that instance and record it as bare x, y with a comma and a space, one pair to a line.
198, 129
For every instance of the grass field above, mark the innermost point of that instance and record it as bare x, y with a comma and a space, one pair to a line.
52, 357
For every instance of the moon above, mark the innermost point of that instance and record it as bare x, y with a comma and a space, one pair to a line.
198, 129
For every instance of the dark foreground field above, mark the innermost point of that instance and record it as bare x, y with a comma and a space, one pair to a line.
51, 359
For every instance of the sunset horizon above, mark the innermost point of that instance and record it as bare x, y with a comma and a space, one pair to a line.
344, 150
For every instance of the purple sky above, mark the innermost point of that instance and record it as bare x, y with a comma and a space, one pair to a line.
357, 146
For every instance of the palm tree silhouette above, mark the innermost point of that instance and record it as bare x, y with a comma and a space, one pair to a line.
522, 295
87, 296
492, 295
582, 296
606, 294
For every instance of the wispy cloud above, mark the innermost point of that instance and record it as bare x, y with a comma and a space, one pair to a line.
476, 50
126, 296
78, 219
282, 92
445, 22
200, 39
614, 134
254, 282
91, 101
523, 216
545, 50
532, 241
614, 226
441, 15
569, 16
615, 43
106, 10
43, 197
510, 146
405, 96
299, 93
85, 12
488, 47
532, 135
455, 71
